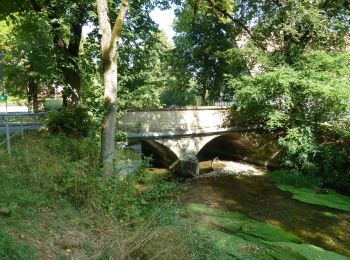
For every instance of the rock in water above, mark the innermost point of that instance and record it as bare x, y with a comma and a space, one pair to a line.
187, 166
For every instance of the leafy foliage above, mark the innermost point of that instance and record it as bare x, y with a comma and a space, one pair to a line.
200, 41
71, 121
300, 100
313, 92
29, 60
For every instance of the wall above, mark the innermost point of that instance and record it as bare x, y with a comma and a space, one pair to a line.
182, 120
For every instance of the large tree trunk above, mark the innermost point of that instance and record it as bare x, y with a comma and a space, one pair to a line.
72, 72
70, 53
109, 39
71, 94
108, 128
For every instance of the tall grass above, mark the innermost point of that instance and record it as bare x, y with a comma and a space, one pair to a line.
58, 206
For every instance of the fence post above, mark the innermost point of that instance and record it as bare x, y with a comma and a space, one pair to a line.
22, 130
8, 138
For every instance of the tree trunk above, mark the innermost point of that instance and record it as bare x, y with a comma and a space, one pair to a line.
109, 40
32, 96
70, 52
108, 128
71, 94
72, 72
35, 99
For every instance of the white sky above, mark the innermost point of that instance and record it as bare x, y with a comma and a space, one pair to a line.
165, 20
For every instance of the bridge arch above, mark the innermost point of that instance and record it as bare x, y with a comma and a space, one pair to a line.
251, 146
165, 151
160, 154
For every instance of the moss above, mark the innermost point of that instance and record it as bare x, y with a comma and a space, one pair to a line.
331, 200
238, 236
239, 224
303, 189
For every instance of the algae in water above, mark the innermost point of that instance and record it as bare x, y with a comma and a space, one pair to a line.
303, 189
238, 236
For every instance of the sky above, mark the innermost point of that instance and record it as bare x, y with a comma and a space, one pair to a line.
164, 19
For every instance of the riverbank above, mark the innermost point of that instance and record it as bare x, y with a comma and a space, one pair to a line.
53, 204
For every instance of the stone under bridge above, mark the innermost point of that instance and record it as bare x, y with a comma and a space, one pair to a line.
205, 132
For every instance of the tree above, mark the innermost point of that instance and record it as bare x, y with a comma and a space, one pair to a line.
298, 102
285, 29
109, 43
28, 57
66, 19
202, 39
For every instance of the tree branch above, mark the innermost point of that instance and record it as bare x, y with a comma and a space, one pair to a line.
119, 24
104, 25
35, 5
195, 10
236, 21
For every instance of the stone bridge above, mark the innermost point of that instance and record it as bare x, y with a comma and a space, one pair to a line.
205, 132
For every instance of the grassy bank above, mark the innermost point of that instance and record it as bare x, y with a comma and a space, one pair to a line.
53, 204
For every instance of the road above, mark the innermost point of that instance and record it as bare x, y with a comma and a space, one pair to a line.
12, 108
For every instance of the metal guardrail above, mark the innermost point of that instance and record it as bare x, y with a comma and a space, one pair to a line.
14, 123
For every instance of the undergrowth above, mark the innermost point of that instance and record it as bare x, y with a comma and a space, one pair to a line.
53, 203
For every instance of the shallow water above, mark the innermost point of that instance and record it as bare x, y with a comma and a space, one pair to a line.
258, 198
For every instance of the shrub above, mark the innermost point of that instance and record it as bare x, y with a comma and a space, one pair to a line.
51, 104
308, 101
333, 167
300, 149
74, 122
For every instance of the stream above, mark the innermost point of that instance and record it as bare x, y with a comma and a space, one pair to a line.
256, 197
250, 218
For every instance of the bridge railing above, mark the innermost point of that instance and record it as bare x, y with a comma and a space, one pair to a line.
223, 103
12, 124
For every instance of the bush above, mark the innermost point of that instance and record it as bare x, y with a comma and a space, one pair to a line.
171, 96
300, 149
307, 101
74, 122
51, 104
333, 167
307, 154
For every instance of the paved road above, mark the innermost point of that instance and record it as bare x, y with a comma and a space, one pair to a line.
12, 108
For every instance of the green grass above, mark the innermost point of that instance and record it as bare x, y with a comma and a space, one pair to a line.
54, 204
239, 237
11, 249
303, 189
